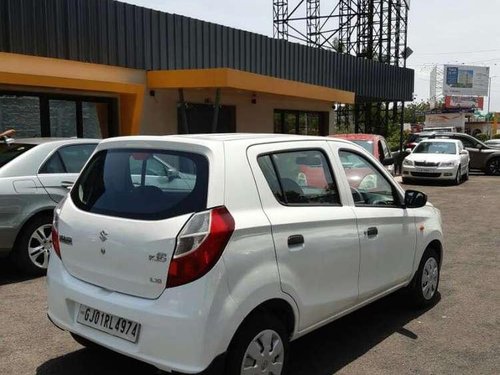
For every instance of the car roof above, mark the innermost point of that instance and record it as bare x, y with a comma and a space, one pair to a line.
43, 140
358, 136
442, 140
218, 138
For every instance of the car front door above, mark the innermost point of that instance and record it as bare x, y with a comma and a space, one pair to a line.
61, 169
386, 230
314, 232
477, 157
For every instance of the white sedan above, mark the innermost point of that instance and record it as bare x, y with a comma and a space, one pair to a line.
440, 159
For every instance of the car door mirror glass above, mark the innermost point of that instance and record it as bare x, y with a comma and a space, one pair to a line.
388, 161
415, 199
464, 152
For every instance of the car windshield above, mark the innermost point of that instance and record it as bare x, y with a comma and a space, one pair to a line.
367, 145
436, 148
9, 152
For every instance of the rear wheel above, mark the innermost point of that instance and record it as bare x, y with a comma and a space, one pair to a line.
493, 167
260, 346
424, 286
32, 247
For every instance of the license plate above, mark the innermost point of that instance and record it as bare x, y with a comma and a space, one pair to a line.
425, 170
111, 324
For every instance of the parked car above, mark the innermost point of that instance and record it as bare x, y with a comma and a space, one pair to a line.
35, 175
415, 138
494, 143
482, 157
240, 262
374, 144
438, 159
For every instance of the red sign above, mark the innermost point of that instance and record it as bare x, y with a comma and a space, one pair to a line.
466, 102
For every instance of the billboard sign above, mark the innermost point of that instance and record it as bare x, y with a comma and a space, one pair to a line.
465, 80
464, 102
455, 120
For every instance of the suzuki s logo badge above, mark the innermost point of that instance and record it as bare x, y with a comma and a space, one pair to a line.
103, 235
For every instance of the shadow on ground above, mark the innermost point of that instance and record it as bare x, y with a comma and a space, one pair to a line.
9, 274
322, 352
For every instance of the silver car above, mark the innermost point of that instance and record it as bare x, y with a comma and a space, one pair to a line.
35, 174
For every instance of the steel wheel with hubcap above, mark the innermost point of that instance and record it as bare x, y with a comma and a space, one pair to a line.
33, 245
430, 278
493, 167
424, 286
264, 355
260, 347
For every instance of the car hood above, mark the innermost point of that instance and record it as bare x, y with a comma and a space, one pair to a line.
433, 158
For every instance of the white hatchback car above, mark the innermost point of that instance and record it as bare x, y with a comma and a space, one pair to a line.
437, 159
240, 259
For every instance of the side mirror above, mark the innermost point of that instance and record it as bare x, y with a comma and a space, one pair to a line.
464, 152
388, 161
408, 150
415, 199
172, 174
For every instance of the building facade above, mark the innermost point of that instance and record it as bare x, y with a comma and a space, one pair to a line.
100, 68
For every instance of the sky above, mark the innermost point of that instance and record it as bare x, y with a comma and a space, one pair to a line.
439, 31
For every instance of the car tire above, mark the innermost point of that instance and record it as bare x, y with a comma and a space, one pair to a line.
406, 180
33, 244
423, 289
250, 340
493, 167
458, 177
466, 175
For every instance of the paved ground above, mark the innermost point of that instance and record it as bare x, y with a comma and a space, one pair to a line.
460, 335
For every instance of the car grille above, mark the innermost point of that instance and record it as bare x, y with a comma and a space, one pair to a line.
423, 174
426, 164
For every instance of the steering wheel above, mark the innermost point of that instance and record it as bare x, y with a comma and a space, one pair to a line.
357, 196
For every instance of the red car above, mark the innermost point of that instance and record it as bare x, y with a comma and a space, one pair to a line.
374, 144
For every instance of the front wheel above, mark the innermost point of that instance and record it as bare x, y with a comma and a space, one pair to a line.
424, 286
493, 167
458, 177
260, 346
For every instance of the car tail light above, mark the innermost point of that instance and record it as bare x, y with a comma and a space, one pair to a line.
200, 245
55, 233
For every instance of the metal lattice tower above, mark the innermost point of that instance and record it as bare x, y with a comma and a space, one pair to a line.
370, 29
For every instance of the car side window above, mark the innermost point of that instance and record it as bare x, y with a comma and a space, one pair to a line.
301, 177
369, 187
74, 157
385, 148
468, 143
53, 165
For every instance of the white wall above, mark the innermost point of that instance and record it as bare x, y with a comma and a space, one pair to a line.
160, 111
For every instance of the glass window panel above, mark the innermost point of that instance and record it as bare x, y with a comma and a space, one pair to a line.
62, 118
21, 113
95, 120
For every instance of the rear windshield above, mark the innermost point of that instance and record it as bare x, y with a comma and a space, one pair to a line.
143, 184
12, 151
367, 145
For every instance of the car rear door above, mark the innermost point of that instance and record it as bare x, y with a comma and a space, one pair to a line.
315, 234
386, 230
60, 171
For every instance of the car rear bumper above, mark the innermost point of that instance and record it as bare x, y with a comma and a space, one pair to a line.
179, 330
430, 173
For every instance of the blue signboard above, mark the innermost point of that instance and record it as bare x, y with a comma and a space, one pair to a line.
451, 76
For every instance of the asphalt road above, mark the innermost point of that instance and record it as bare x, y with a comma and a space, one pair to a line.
459, 335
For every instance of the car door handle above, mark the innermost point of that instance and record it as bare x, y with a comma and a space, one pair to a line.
67, 184
371, 232
296, 239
